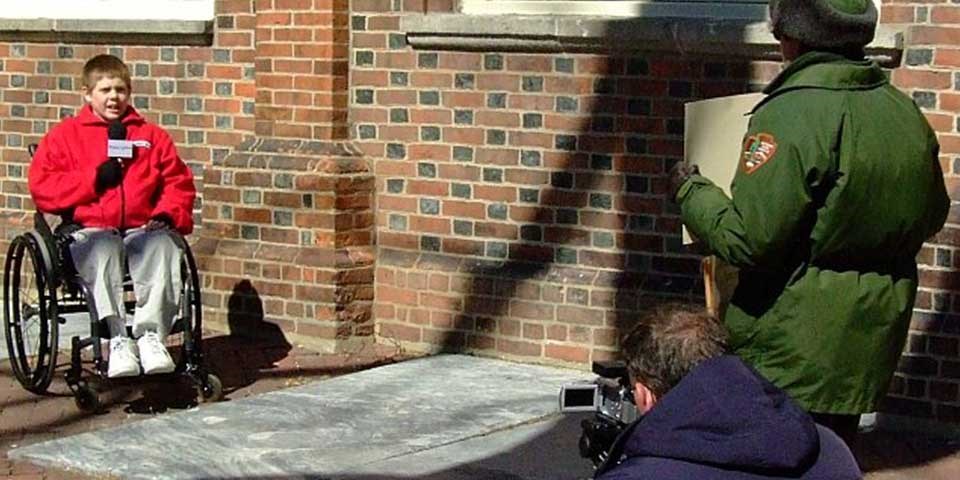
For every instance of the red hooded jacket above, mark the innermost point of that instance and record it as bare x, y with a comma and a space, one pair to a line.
155, 181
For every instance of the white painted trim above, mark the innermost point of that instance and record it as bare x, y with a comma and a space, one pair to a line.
710, 9
191, 10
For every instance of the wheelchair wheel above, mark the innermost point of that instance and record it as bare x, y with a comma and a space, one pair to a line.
87, 398
30, 315
187, 332
210, 389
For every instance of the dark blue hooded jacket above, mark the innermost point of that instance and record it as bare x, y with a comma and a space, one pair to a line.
725, 422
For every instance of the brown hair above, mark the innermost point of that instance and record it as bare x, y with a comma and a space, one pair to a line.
104, 66
668, 341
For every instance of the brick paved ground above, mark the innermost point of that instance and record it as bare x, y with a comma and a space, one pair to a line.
252, 367
246, 368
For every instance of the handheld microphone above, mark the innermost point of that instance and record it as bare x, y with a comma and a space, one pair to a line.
117, 145
119, 148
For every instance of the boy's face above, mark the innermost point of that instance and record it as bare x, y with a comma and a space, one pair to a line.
108, 97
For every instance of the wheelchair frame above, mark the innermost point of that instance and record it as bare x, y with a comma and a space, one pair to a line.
53, 275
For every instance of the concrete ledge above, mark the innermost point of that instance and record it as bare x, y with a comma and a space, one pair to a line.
748, 38
144, 32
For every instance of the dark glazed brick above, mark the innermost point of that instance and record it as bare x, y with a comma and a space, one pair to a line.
463, 154
601, 162
532, 120
427, 60
566, 142
395, 185
464, 80
638, 184
530, 158
398, 222
396, 150
430, 97
493, 61
497, 100
497, 211
925, 99
429, 206
601, 200
397, 41
425, 169
496, 137
566, 255
566, 104
567, 216
529, 195
463, 227
399, 115
460, 190
638, 66
463, 117
399, 79
430, 243
532, 84
563, 65
534, 233
493, 175
919, 56
430, 134
561, 179
638, 106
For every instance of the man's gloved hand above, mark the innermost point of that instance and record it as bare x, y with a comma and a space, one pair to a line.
679, 175
109, 175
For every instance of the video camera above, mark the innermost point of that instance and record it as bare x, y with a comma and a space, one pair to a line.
610, 398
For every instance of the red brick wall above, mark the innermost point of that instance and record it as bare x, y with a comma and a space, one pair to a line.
929, 374
301, 67
520, 208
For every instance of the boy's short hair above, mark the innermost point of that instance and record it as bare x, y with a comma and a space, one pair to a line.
104, 65
668, 341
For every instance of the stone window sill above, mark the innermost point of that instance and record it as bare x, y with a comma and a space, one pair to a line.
748, 38
137, 32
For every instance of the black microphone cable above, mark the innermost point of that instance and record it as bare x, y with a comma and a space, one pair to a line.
118, 131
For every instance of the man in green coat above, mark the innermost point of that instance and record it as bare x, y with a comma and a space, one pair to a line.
838, 186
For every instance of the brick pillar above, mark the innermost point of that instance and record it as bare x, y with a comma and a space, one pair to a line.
302, 63
288, 220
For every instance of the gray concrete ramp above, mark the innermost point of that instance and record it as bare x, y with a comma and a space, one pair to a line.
444, 417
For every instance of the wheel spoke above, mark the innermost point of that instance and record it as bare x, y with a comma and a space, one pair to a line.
29, 307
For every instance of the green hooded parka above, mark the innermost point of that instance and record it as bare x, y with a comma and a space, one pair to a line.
838, 186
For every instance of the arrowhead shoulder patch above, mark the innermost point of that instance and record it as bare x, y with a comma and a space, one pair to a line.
757, 151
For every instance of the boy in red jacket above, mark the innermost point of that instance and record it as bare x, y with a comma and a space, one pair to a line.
124, 206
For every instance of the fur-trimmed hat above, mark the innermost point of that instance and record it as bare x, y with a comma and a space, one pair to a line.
825, 23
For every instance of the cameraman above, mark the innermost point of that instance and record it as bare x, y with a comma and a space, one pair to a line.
709, 416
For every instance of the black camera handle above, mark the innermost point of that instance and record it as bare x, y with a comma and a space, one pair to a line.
615, 455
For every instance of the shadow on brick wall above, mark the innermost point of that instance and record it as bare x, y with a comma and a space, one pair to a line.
596, 240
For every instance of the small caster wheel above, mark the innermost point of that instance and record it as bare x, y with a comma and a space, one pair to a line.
211, 389
87, 399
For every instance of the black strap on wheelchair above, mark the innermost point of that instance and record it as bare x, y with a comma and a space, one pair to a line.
53, 266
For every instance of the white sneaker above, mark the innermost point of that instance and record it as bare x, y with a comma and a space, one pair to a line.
123, 361
153, 355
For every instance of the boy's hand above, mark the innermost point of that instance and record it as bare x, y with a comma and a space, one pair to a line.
159, 222
109, 175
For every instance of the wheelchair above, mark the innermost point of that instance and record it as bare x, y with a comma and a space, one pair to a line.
41, 289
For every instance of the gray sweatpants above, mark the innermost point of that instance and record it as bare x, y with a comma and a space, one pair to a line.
154, 261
